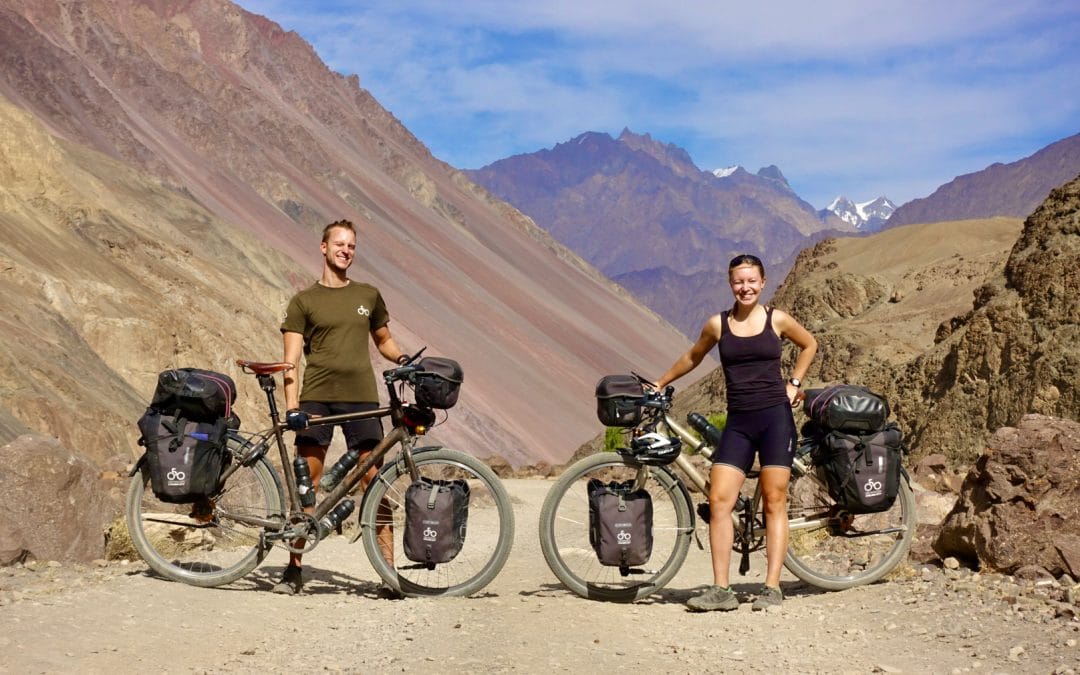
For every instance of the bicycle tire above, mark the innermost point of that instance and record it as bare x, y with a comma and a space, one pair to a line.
840, 551
210, 551
490, 514
564, 531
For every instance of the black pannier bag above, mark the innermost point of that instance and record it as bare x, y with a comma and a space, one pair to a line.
847, 407
436, 516
195, 394
438, 384
618, 400
862, 471
620, 523
184, 458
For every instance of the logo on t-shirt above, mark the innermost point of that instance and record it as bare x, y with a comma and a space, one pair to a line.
363, 311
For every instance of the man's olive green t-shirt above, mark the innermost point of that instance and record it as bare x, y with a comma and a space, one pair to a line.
336, 324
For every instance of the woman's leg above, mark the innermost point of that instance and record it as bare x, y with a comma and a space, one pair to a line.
724, 485
774, 486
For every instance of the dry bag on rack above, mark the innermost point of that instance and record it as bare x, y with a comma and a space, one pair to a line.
620, 523
618, 400
436, 515
846, 407
862, 471
184, 458
195, 394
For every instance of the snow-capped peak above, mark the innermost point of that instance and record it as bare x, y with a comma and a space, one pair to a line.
725, 172
869, 215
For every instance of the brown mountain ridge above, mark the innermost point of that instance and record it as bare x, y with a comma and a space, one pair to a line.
167, 168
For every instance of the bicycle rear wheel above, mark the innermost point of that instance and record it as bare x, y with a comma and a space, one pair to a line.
210, 548
834, 550
489, 530
564, 531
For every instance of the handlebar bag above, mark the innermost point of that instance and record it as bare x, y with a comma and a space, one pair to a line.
618, 400
194, 394
620, 523
184, 458
438, 383
847, 407
862, 471
436, 516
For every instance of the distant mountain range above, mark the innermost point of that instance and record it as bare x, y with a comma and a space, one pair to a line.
646, 216
1013, 189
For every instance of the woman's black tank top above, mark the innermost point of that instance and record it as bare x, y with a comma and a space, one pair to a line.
752, 367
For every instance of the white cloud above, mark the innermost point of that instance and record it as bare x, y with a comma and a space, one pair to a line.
857, 97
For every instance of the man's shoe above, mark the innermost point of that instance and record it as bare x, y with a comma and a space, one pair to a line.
292, 582
715, 598
770, 596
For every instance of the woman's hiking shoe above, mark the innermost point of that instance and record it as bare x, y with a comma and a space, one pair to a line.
770, 596
292, 582
715, 598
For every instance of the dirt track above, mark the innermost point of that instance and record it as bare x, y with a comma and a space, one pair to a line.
118, 618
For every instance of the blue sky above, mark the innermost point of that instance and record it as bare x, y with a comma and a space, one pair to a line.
857, 98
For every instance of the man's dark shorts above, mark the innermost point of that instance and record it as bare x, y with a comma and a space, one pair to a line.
362, 435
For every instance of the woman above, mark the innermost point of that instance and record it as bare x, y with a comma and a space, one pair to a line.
759, 420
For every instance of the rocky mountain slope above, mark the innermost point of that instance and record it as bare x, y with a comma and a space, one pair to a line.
646, 216
167, 167
1014, 189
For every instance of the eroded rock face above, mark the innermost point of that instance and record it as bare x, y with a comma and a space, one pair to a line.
55, 505
1016, 351
1020, 504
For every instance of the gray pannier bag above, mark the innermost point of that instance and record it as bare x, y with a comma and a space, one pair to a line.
184, 458
862, 471
436, 515
620, 523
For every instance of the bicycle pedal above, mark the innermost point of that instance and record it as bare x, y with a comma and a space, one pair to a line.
703, 511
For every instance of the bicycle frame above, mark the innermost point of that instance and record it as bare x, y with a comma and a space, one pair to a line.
401, 433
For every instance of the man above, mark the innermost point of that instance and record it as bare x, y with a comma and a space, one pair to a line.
329, 323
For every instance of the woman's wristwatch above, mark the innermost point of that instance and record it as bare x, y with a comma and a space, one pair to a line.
795, 382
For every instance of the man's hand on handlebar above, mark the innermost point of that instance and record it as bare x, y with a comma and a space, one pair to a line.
296, 419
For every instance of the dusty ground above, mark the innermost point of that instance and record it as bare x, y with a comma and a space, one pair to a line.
117, 618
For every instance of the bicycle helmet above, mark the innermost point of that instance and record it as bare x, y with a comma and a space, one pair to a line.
653, 448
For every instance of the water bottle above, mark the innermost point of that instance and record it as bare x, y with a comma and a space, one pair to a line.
335, 473
331, 520
303, 482
709, 433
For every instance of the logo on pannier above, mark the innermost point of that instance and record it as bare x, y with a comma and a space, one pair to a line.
623, 538
872, 488
430, 534
175, 476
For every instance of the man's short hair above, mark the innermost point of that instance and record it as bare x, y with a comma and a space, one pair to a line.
344, 224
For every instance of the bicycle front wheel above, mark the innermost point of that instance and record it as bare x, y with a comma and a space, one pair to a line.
489, 528
202, 544
564, 531
832, 549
